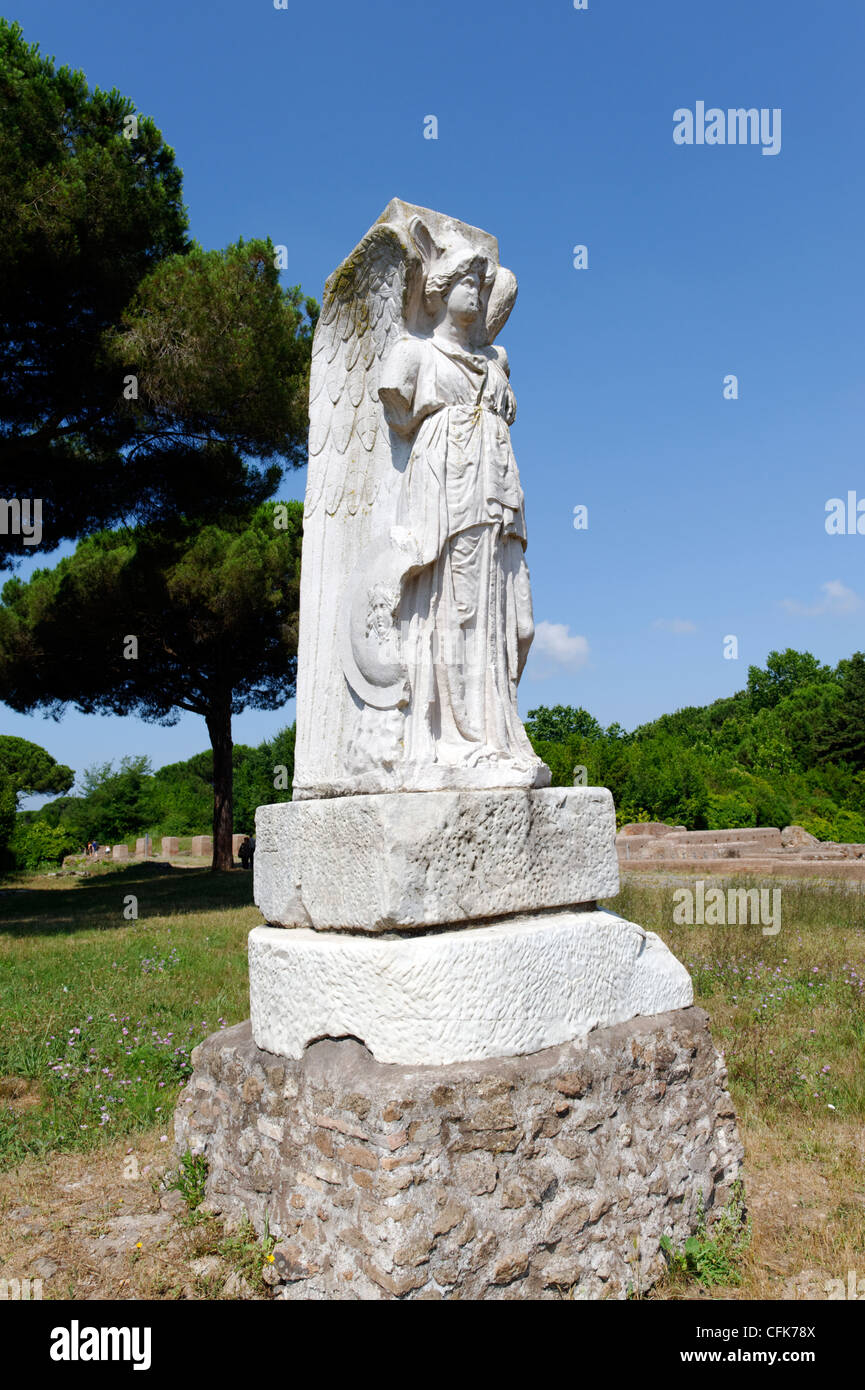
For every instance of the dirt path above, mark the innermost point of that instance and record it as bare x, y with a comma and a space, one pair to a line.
97, 1226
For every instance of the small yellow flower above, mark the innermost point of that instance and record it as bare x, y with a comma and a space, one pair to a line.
138, 1245
270, 1259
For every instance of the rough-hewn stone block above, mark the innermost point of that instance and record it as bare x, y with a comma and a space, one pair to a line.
421, 859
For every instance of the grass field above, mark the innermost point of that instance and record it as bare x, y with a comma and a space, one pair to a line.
101, 1009
788, 1012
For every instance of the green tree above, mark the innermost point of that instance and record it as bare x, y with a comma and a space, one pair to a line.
784, 672
844, 737
30, 770
36, 844
561, 723
261, 776
789, 748
183, 795
116, 803
90, 201
806, 716
141, 377
220, 352
7, 816
154, 623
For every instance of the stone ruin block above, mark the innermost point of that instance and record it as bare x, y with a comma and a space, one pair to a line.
170, 844
651, 828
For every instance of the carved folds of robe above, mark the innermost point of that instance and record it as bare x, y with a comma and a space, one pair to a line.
469, 624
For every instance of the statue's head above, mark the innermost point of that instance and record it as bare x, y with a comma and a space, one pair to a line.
457, 282
456, 277
381, 612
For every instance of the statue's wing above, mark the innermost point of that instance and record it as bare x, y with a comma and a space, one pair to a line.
351, 489
362, 315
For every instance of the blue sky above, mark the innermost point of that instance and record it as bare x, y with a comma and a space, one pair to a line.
555, 128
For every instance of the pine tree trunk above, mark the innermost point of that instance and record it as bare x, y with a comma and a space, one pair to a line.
218, 721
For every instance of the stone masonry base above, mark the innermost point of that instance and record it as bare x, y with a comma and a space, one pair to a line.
546, 1176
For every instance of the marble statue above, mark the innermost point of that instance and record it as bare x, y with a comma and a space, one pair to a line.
416, 612
436, 978
419, 807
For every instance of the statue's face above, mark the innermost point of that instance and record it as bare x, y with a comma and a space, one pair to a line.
464, 299
381, 615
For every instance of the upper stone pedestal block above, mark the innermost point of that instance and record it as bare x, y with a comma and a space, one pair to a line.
426, 859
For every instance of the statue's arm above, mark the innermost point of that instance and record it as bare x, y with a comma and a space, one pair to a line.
403, 404
510, 410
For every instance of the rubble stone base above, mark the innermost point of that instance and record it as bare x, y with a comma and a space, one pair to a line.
546, 1176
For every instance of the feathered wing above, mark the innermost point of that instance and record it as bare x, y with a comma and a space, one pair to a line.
351, 483
362, 316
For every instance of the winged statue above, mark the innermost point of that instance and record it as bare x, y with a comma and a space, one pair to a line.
415, 602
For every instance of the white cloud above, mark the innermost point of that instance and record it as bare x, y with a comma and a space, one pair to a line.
560, 645
674, 625
836, 601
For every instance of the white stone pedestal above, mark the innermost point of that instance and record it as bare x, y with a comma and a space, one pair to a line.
443, 927
415, 860
513, 987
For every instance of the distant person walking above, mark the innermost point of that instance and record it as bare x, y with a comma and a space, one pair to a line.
246, 851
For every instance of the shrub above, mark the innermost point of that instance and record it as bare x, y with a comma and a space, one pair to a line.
190, 1179
729, 812
39, 844
632, 815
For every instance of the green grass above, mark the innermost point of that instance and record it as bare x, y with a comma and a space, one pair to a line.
101, 1010
787, 1010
